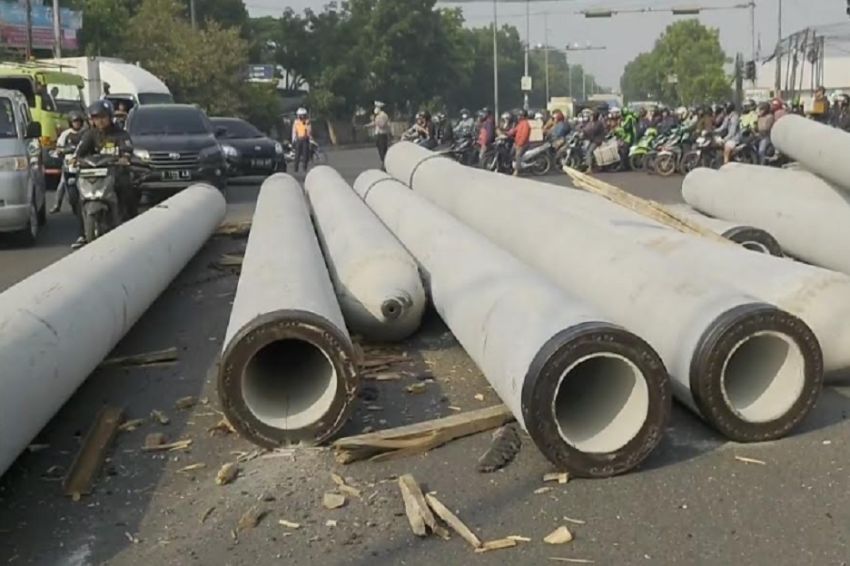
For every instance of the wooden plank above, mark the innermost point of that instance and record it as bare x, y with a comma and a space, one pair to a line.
92, 453
644, 207
453, 521
169, 355
418, 513
419, 437
497, 545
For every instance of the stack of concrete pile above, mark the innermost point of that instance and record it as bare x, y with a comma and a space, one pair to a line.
748, 367
806, 208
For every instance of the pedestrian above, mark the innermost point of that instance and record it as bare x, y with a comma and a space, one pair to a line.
381, 124
521, 133
302, 133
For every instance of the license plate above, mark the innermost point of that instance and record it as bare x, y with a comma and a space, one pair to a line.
261, 163
178, 175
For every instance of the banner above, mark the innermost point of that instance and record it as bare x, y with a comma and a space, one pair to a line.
13, 26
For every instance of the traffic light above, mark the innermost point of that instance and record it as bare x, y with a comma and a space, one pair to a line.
750, 68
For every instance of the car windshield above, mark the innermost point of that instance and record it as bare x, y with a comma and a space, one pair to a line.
155, 98
238, 129
161, 121
7, 120
67, 97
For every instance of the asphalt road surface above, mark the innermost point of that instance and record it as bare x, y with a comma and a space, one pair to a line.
692, 502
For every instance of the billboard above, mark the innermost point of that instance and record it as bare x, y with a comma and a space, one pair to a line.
13, 26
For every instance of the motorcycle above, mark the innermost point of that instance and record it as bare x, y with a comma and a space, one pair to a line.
669, 158
539, 160
500, 158
99, 205
464, 150
637, 153
572, 153
707, 152
316, 153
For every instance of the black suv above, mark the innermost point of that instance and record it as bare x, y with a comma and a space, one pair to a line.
179, 143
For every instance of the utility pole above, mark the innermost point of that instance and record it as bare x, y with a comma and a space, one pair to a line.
778, 58
28, 6
57, 30
546, 54
495, 61
192, 14
569, 75
527, 45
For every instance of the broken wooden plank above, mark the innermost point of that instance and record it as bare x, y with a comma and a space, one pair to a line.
560, 477
561, 535
92, 453
418, 513
496, 545
227, 473
453, 521
167, 356
234, 229
331, 500
344, 487
171, 447
419, 437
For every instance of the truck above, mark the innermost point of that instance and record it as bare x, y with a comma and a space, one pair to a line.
115, 79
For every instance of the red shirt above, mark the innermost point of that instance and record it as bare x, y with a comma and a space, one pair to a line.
522, 133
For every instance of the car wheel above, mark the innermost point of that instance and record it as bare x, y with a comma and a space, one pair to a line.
29, 234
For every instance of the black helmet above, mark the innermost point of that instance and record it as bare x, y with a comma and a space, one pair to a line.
749, 105
523, 113
764, 107
75, 116
730, 107
486, 110
603, 108
464, 111
100, 108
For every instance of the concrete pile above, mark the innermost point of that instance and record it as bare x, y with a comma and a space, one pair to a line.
60, 323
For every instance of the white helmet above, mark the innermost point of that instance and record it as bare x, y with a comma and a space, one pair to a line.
301, 112
538, 115
614, 111
681, 111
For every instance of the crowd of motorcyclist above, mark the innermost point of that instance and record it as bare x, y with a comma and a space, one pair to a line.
707, 135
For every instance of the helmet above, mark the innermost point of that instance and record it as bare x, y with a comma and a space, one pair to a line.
100, 108
508, 118
776, 104
749, 105
482, 114
75, 116
523, 113
730, 107
614, 111
301, 112
464, 112
538, 115
842, 100
602, 108
681, 111
486, 110
764, 107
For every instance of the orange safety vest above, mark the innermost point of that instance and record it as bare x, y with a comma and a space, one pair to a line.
301, 129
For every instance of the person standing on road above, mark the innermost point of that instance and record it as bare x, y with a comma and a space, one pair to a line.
381, 124
521, 133
302, 133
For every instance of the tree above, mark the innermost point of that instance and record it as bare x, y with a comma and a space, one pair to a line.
226, 13
205, 66
684, 67
103, 25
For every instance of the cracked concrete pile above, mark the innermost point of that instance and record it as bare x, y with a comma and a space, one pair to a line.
584, 316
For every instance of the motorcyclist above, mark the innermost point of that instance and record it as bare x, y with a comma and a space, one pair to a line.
729, 130
820, 106
777, 107
105, 138
765, 125
302, 133
486, 131
594, 132
560, 128
841, 112
628, 133
667, 123
747, 123
521, 134
67, 143
425, 129
465, 125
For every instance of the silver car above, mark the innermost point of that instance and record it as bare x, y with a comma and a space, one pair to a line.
23, 208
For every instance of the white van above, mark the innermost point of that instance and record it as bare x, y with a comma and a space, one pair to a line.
115, 79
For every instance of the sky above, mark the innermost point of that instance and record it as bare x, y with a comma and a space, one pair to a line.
624, 35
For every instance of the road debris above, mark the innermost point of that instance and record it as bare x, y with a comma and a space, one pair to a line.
132, 538
504, 447
519, 538
333, 500
192, 467
160, 417
330, 523
227, 473
53, 473
206, 514
131, 425
420, 437
416, 388
33, 448
575, 521
234, 229
251, 518
452, 521
288, 524
561, 535
496, 545
746, 460
155, 358
478, 397
92, 453
418, 513
172, 447
185, 403
383, 376
221, 428
228, 262
560, 477
344, 487
571, 560
540, 490
153, 441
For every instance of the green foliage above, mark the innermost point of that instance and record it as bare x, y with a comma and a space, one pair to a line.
226, 13
204, 66
103, 25
685, 67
